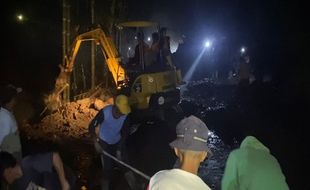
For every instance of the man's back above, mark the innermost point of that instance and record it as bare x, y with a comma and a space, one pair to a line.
36, 169
176, 179
252, 167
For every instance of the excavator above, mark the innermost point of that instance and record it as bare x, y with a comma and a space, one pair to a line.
146, 89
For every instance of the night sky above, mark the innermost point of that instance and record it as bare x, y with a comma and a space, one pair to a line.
275, 32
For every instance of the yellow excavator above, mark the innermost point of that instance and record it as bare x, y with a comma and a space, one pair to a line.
146, 89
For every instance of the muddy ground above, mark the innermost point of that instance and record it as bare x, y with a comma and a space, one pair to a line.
277, 117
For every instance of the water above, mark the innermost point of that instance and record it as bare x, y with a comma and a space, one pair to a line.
212, 169
208, 101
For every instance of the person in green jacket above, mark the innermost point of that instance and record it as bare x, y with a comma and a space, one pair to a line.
252, 167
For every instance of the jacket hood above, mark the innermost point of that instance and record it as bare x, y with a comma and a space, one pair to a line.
252, 142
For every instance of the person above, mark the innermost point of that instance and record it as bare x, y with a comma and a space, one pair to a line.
41, 171
140, 50
152, 56
113, 126
252, 167
191, 148
9, 133
244, 71
155, 42
164, 44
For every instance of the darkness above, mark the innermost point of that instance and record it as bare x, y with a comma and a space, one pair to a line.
32, 49
271, 29
276, 33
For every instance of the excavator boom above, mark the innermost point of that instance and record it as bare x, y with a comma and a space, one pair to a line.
108, 49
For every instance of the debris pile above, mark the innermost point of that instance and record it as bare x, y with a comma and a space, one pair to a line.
70, 120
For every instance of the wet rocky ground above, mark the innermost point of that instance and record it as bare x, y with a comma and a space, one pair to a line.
228, 115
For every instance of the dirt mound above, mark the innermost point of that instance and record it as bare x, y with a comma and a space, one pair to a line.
70, 120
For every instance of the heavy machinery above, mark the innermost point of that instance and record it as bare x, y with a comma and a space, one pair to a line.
146, 89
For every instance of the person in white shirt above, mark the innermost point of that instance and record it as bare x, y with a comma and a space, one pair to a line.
9, 135
191, 149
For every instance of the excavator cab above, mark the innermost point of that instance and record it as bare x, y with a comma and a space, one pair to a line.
144, 46
153, 78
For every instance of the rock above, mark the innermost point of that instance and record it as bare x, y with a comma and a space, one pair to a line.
71, 120
85, 101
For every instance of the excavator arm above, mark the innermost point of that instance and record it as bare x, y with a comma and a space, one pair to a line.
108, 49
148, 89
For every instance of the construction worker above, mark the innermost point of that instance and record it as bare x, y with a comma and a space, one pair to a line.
252, 167
40, 171
113, 125
9, 133
191, 149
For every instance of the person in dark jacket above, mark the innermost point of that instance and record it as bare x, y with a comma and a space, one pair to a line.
40, 171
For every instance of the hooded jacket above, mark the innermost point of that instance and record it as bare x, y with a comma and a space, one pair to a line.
252, 167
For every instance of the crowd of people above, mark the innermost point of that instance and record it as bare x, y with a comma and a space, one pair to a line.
157, 56
41, 171
250, 167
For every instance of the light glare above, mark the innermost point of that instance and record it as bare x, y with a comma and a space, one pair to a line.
20, 17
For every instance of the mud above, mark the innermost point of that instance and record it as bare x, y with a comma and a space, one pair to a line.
69, 121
